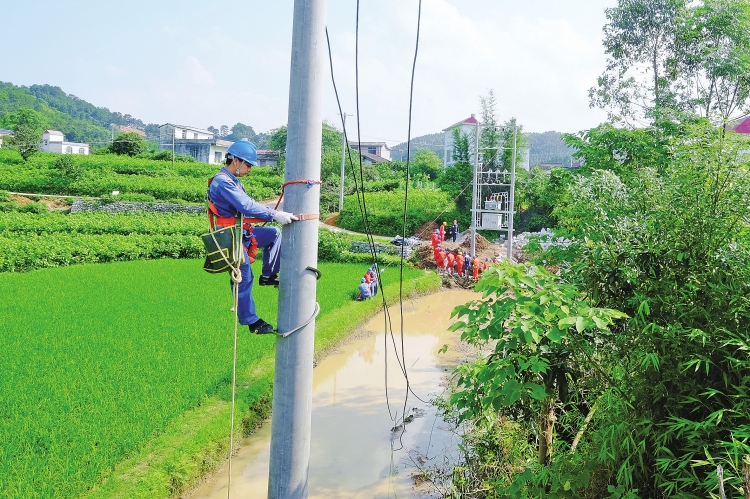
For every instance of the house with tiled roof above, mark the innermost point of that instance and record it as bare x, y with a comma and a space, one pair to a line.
465, 127
376, 152
743, 125
191, 141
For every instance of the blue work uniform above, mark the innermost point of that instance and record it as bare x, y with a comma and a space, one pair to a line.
229, 197
364, 291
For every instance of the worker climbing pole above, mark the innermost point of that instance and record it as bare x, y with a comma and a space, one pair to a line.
292, 392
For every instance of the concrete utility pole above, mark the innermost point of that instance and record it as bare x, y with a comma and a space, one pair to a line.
343, 159
512, 195
476, 203
173, 132
292, 390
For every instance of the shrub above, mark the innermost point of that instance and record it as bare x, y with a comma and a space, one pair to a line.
33, 208
137, 197
385, 211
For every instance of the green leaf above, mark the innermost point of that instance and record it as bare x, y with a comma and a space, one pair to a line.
567, 321
528, 281
579, 324
536, 392
555, 334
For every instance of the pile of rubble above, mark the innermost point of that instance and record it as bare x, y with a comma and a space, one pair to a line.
546, 239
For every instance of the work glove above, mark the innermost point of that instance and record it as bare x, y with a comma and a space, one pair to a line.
284, 218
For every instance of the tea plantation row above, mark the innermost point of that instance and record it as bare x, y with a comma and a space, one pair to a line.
99, 175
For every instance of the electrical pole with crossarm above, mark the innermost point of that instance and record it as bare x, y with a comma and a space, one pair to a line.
292, 390
343, 161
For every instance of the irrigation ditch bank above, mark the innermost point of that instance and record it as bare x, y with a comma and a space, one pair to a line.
195, 444
358, 451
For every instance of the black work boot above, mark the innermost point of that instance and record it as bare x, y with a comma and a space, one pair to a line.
260, 327
272, 280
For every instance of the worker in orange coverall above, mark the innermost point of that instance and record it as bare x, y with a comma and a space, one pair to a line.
442, 232
459, 264
435, 237
477, 263
451, 261
440, 260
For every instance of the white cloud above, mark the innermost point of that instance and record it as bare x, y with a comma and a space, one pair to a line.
197, 74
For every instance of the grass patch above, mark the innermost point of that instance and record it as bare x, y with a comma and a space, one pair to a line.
129, 365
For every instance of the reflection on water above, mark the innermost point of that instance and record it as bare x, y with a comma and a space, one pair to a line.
354, 452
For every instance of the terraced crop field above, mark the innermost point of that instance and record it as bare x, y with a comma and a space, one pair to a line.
97, 359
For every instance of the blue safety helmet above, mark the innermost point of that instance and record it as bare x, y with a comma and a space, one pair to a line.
243, 150
364, 280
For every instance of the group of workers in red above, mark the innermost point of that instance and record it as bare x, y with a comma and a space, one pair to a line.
456, 262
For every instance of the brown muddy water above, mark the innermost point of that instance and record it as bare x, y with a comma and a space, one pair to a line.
357, 450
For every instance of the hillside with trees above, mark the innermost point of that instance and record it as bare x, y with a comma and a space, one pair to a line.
548, 147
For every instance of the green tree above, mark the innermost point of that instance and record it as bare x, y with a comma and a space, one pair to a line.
277, 142
241, 131
460, 146
427, 163
506, 141
25, 140
713, 45
28, 126
490, 140
129, 143
543, 334
27, 117
639, 34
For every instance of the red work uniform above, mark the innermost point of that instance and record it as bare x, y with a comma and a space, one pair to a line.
477, 265
440, 260
435, 240
460, 265
451, 262
442, 232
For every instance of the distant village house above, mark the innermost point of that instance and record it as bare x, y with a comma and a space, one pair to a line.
465, 127
196, 142
4, 133
267, 157
372, 152
54, 141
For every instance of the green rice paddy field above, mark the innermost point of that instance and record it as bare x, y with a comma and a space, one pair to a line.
98, 360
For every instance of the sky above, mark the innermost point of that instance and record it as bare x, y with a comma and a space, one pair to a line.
220, 62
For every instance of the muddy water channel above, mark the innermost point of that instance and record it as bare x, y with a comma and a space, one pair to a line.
357, 450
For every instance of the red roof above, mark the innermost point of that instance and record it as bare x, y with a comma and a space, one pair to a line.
744, 126
471, 120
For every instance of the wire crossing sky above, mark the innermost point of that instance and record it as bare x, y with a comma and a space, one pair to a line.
222, 62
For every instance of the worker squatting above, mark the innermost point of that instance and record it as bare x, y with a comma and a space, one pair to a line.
368, 286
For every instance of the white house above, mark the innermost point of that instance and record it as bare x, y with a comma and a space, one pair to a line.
4, 133
54, 141
218, 151
466, 127
191, 141
380, 150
